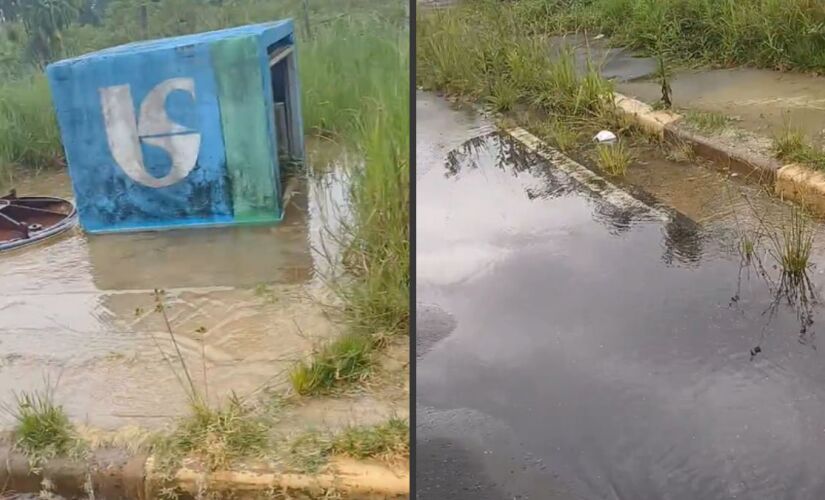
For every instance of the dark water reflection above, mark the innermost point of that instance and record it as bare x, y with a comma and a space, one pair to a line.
637, 359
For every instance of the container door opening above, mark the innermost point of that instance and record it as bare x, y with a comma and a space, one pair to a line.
282, 70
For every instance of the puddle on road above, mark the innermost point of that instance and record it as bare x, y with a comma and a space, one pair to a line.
605, 343
79, 310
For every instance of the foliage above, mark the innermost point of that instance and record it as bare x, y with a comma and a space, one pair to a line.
44, 22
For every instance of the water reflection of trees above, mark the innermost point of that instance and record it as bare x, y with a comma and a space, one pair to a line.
683, 242
505, 153
495, 149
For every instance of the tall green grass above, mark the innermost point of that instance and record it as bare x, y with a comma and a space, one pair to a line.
481, 50
357, 89
28, 130
779, 34
348, 54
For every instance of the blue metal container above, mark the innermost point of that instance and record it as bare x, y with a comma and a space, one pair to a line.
183, 131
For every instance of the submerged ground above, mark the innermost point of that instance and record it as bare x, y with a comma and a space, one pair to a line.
568, 348
244, 303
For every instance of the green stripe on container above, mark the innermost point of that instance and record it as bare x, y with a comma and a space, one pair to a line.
249, 154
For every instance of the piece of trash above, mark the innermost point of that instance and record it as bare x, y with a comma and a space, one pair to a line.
734, 174
605, 137
599, 36
756, 350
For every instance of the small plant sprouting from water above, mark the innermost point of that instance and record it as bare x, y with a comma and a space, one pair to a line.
663, 73
747, 248
216, 436
188, 386
614, 159
792, 244
680, 152
787, 244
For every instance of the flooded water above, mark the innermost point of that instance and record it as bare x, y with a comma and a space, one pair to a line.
568, 348
762, 101
78, 312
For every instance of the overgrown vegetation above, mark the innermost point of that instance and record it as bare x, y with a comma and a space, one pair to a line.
791, 244
792, 146
778, 34
344, 360
614, 158
680, 152
371, 113
708, 121
354, 69
42, 429
387, 442
215, 436
480, 50
362, 40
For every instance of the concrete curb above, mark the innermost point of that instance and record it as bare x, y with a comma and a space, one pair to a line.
644, 116
794, 182
117, 475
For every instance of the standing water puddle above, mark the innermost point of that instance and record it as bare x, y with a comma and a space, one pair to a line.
598, 348
78, 312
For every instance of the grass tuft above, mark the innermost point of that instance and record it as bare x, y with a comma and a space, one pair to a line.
561, 135
708, 121
217, 437
344, 360
43, 429
614, 159
791, 145
680, 152
388, 441
793, 243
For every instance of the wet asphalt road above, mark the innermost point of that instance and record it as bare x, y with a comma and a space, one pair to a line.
572, 349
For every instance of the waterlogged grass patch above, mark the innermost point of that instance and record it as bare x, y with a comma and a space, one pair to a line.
792, 243
215, 436
708, 121
388, 442
791, 146
614, 159
43, 429
680, 152
345, 360
561, 135
777, 34
480, 50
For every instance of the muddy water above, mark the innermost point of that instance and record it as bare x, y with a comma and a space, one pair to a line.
570, 349
78, 312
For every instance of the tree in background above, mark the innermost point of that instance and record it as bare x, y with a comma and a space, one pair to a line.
44, 22
9, 10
